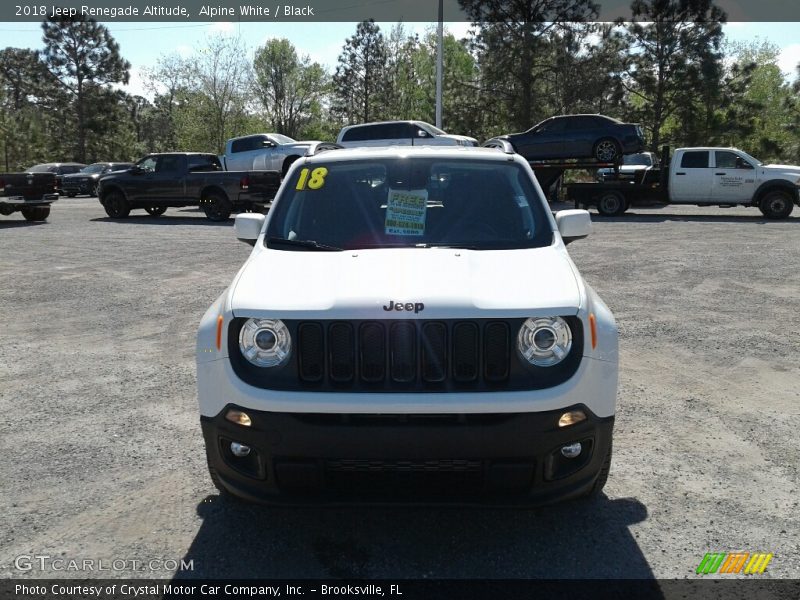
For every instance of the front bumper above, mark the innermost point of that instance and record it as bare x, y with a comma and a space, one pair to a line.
83, 187
496, 459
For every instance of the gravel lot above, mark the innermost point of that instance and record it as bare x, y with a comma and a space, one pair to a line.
103, 456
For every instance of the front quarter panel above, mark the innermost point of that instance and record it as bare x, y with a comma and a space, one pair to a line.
607, 346
207, 349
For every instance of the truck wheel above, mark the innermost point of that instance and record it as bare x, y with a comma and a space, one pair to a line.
155, 211
35, 213
776, 205
217, 207
612, 204
606, 150
116, 205
287, 165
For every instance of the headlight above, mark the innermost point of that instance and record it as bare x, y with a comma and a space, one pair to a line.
544, 341
265, 342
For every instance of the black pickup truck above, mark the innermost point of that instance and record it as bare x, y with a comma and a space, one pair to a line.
29, 193
174, 179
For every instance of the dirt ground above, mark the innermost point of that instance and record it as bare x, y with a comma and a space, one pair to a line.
103, 457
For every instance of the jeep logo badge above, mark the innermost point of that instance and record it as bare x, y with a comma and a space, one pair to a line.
408, 306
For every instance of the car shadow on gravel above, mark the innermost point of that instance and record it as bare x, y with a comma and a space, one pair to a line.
23, 223
635, 217
162, 220
581, 539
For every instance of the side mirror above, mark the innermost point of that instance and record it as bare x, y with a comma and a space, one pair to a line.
268, 144
137, 170
573, 224
248, 227
422, 133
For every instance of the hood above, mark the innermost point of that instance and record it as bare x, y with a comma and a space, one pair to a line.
82, 176
464, 139
300, 145
446, 283
782, 168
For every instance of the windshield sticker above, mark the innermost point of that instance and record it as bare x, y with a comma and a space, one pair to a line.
405, 212
315, 182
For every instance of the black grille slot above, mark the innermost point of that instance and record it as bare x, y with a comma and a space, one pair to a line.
495, 352
465, 352
373, 352
341, 343
367, 465
311, 353
434, 352
403, 351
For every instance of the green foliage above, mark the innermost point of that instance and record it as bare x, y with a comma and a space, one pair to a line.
291, 89
675, 63
360, 91
83, 57
524, 60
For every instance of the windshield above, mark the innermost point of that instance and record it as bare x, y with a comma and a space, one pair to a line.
281, 139
638, 159
409, 202
42, 169
95, 168
753, 160
435, 130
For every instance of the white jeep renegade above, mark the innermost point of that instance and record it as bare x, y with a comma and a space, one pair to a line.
409, 326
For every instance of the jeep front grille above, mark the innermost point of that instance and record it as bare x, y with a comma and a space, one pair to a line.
405, 355
404, 352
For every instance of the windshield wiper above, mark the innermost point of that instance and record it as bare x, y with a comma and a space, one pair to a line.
456, 246
306, 244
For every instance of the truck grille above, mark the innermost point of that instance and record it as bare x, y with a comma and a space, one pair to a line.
404, 352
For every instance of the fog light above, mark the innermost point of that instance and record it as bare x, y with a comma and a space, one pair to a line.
569, 451
240, 450
571, 417
238, 417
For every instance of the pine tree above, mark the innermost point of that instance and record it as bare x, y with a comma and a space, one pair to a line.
360, 81
82, 55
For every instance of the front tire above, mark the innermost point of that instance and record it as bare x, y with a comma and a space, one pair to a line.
776, 205
606, 150
35, 213
116, 205
612, 204
217, 207
287, 165
155, 211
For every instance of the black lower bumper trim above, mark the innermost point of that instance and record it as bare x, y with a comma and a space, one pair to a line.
462, 459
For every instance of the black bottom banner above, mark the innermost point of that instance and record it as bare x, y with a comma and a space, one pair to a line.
400, 589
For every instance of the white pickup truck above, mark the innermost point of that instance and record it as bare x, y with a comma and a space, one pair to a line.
263, 152
700, 176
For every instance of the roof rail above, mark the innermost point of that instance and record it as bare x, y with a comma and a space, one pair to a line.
317, 147
500, 144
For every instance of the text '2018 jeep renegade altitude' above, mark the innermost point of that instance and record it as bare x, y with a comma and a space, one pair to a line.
409, 326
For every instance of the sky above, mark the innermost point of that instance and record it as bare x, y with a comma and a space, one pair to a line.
142, 43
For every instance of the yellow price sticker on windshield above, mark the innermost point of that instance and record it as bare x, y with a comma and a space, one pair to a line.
316, 181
